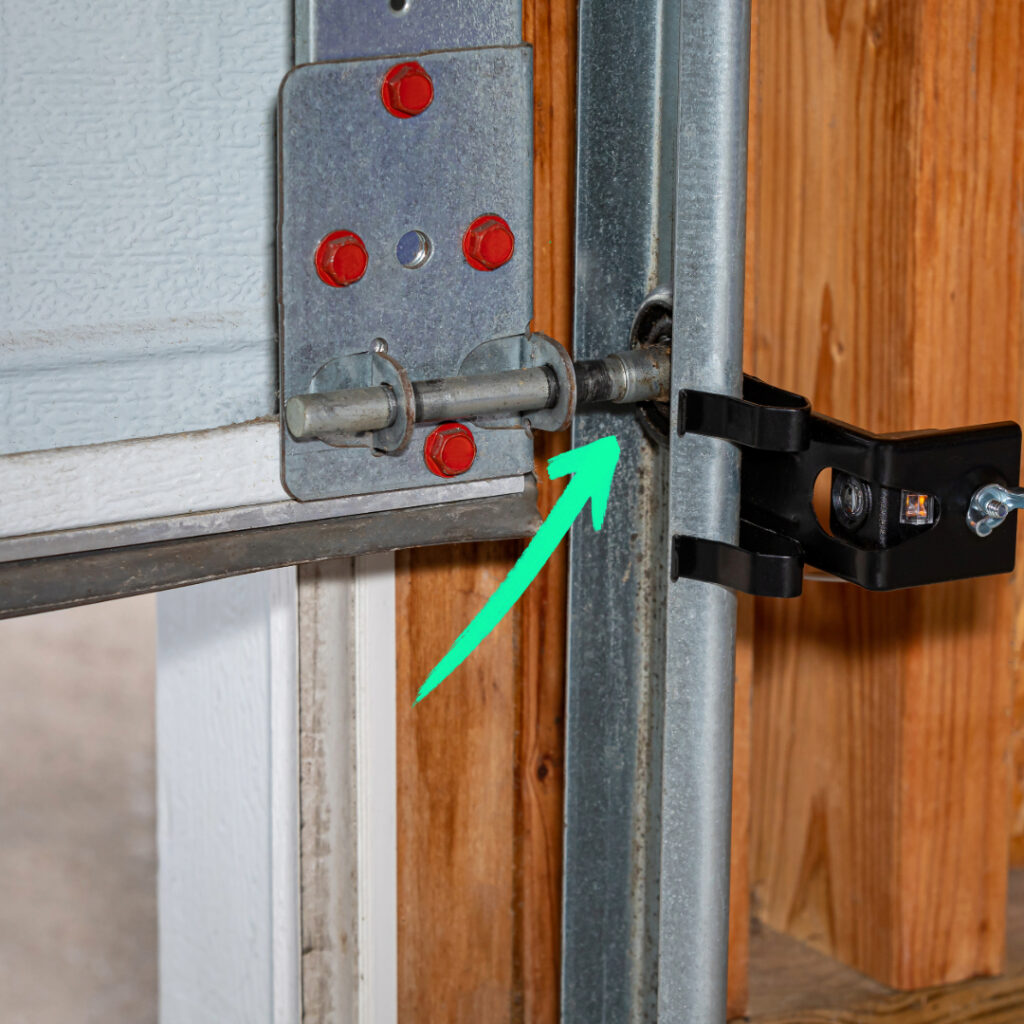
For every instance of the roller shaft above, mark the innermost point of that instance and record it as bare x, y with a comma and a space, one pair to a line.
639, 375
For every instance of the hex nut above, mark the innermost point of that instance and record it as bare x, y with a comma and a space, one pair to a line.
407, 90
488, 243
449, 450
341, 259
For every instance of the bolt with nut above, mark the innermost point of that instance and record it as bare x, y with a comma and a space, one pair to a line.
488, 243
995, 509
407, 90
449, 449
991, 506
341, 259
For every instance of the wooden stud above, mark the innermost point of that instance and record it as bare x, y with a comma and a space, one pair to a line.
540, 775
456, 807
884, 269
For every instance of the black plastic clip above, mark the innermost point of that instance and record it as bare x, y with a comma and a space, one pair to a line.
898, 503
764, 563
766, 417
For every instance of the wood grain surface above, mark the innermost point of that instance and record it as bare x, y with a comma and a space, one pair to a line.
884, 282
990, 1001
550, 27
480, 763
794, 984
456, 799
328, 795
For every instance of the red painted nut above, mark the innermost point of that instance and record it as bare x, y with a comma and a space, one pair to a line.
488, 243
407, 90
449, 449
341, 259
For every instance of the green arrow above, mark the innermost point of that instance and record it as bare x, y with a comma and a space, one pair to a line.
593, 467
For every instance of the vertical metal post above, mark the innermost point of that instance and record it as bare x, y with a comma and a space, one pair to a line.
660, 200
703, 500
617, 577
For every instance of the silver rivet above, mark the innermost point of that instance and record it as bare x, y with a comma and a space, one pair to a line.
413, 250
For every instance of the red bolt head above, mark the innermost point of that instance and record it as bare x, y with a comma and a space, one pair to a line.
449, 449
341, 259
488, 243
407, 90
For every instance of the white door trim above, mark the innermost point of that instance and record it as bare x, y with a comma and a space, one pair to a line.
227, 801
167, 488
377, 784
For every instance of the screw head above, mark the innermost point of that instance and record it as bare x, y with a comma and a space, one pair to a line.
407, 90
449, 450
341, 259
488, 242
851, 500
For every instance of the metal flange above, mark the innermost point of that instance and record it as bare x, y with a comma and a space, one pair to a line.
368, 390
523, 352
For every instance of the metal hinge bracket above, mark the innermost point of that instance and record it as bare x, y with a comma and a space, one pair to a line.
404, 242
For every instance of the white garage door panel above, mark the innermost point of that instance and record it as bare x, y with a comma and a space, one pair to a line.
136, 217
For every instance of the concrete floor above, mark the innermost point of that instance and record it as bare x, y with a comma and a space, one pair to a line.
77, 816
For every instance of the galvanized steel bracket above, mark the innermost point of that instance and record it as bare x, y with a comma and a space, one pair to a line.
348, 163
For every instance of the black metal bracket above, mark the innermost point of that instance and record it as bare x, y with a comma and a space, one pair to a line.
898, 502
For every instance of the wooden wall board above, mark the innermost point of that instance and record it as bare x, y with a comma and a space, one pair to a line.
501, 822
550, 27
884, 270
456, 806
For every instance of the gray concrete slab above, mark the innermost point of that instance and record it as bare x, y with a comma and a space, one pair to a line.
77, 816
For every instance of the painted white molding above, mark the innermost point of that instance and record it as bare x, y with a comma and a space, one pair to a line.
67, 488
227, 802
181, 485
377, 787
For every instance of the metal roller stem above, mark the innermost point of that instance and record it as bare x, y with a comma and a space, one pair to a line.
460, 398
640, 375
356, 410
